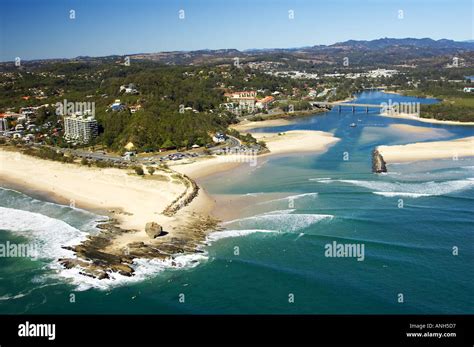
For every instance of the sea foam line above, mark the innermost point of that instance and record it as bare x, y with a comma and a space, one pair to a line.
415, 190
291, 198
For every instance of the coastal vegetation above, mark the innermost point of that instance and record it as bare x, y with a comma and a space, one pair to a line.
454, 105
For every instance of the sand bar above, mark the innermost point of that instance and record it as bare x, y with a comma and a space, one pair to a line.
463, 147
245, 126
295, 141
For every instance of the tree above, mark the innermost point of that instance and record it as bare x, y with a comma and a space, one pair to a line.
151, 170
139, 171
168, 144
84, 161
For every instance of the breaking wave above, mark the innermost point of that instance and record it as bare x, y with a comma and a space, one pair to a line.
282, 221
47, 234
321, 180
291, 197
218, 235
414, 190
144, 269
431, 188
395, 194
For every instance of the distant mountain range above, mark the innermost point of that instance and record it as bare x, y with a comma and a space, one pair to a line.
442, 44
361, 52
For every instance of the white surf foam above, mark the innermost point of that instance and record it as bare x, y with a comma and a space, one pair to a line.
431, 188
47, 234
26, 199
321, 180
395, 194
287, 211
283, 222
219, 235
291, 197
23, 294
144, 270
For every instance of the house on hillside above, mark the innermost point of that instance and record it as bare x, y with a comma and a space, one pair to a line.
219, 138
245, 99
265, 102
129, 89
117, 106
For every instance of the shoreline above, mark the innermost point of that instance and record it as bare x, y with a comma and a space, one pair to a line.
130, 201
288, 142
173, 201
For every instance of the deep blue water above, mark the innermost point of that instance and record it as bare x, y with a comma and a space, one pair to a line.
290, 208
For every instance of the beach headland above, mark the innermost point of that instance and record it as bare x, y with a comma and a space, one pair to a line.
170, 198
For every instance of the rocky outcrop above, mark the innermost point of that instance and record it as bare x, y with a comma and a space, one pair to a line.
378, 163
96, 257
153, 230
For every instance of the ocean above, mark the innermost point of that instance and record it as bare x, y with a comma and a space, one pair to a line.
414, 224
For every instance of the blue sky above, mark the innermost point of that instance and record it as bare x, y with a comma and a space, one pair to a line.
32, 29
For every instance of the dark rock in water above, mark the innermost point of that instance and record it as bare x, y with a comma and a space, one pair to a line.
153, 229
378, 163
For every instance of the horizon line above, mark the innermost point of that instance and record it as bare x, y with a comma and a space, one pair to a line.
239, 50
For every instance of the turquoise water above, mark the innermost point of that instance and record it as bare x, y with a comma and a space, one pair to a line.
290, 207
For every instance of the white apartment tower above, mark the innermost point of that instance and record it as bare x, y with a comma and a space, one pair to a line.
3, 124
80, 128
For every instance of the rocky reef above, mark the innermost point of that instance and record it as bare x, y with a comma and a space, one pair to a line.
96, 258
101, 254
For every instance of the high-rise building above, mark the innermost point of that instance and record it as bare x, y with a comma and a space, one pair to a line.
3, 124
80, 128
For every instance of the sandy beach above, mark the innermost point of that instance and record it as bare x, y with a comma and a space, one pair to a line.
197, 168
295, 141
123, 195
245, 126
428, 150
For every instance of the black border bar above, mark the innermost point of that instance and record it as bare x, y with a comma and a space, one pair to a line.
240, 329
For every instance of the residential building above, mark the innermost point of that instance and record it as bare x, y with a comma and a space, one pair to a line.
3, 124
117, 106
245, 100
129, 89
265, 102
79, 128
219, 138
